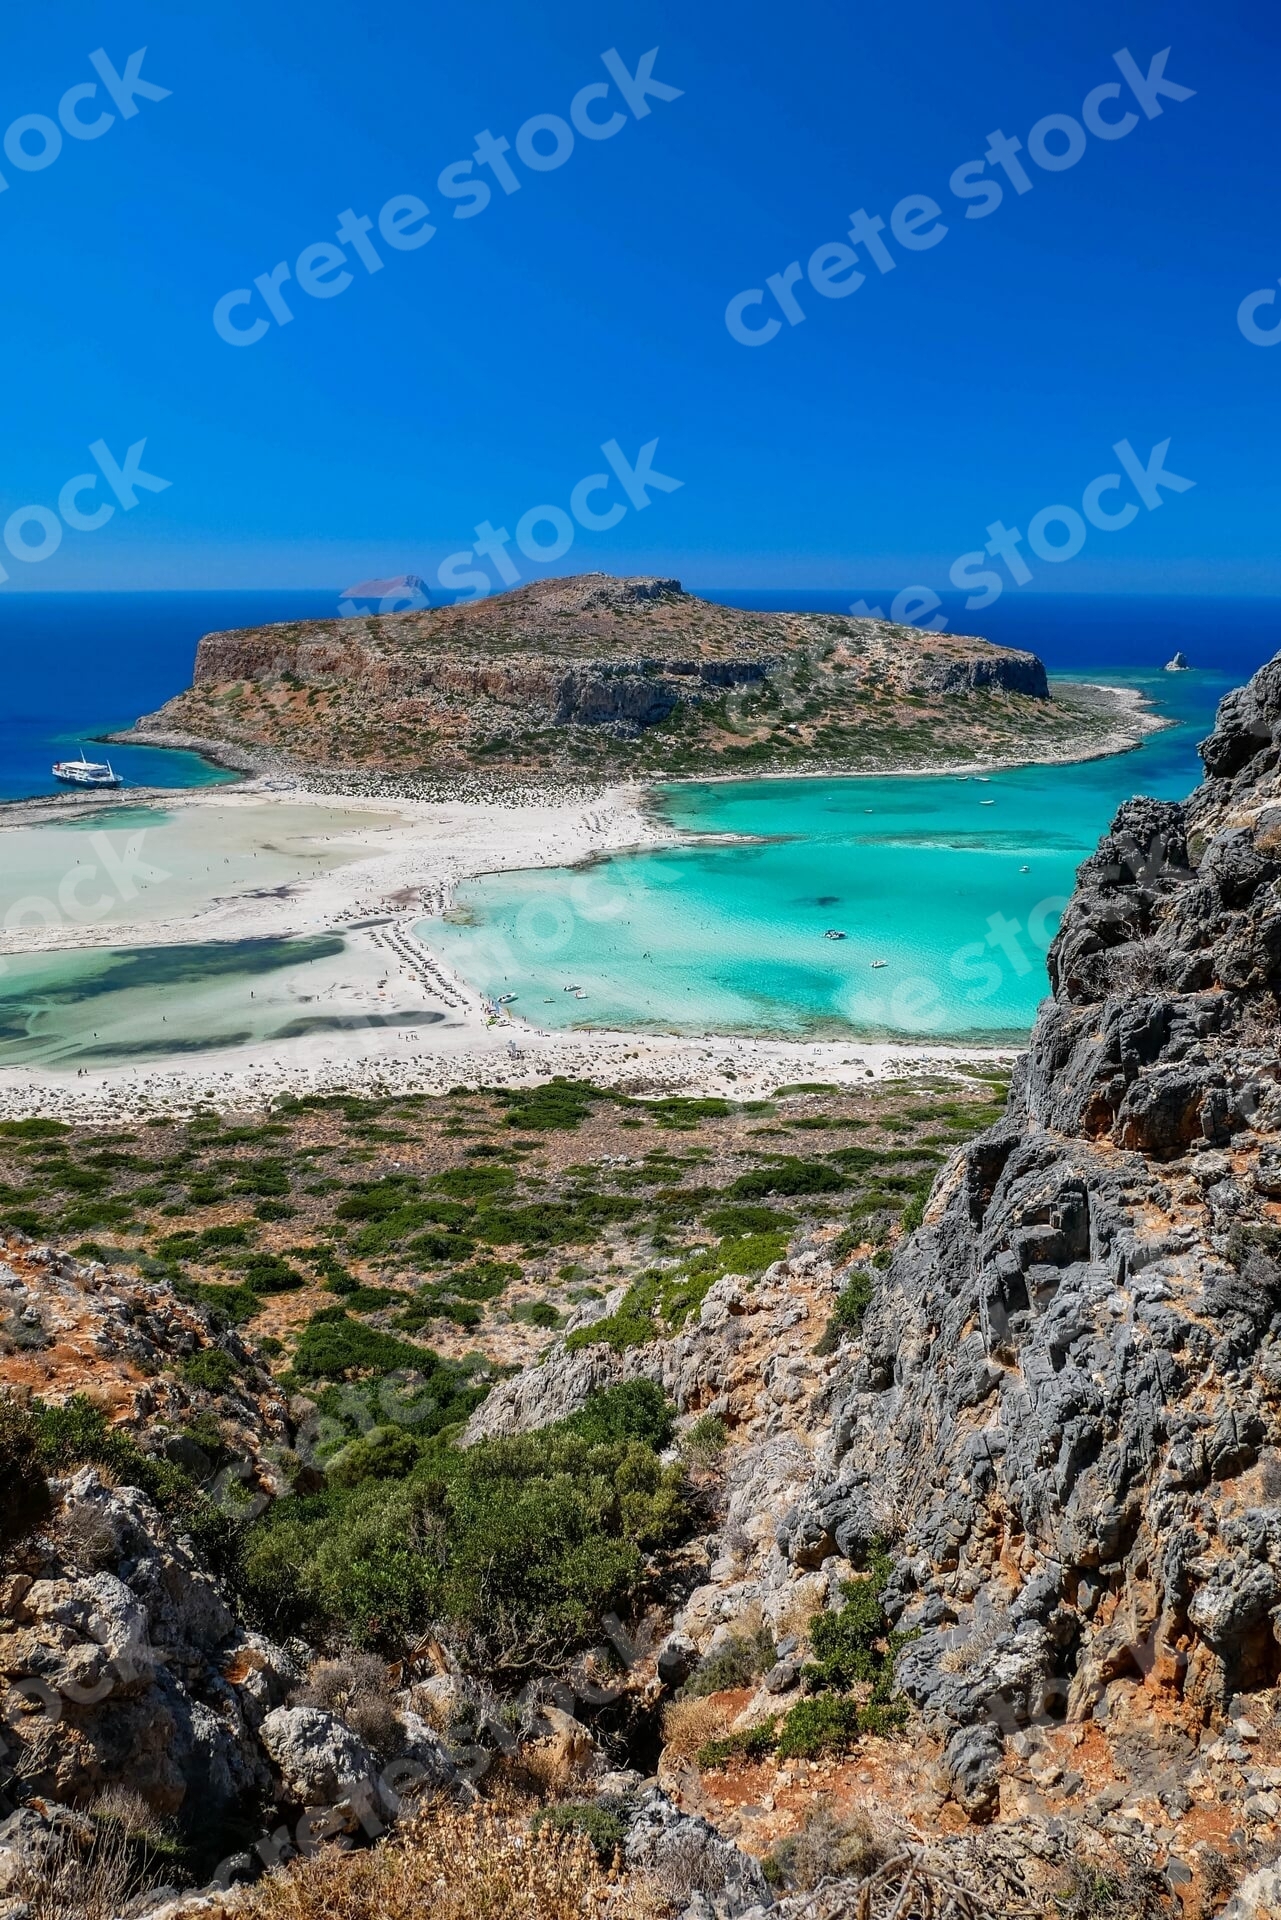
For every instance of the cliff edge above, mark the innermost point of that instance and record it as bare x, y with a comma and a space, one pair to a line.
1066, 1400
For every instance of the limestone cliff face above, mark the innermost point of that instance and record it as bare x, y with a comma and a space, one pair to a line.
1066, 1404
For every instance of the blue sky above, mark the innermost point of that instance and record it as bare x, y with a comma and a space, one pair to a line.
477, 376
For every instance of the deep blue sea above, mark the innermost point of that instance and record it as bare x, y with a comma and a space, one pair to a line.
84, 663
77, 664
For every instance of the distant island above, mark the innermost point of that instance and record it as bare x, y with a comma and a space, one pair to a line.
595, 679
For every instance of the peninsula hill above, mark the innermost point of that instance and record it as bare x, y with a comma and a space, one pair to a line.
596, 677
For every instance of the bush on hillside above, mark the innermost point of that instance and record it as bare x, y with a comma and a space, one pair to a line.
514, 1548
27, 1502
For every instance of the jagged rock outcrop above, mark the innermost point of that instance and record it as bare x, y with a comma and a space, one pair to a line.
1066, 1405
125, 1664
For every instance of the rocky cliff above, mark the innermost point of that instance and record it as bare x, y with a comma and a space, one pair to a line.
1066, 1402
596, 674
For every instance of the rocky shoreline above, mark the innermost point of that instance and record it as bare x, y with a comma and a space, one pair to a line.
1127, 714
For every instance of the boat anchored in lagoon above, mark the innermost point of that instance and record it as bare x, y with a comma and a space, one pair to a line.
86, 773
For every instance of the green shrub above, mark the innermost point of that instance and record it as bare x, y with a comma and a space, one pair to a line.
552, 1223
27, 1502
435, 1303
856, 1642
706, 1440
737, 1221
557, 1105
226, 1305
441, 1395
388, 1453
630, 1325
754, 1743
913, 1213
788, 1176
211, 1368
267, 1178
636, 1410
377, 1199
238, 1235
332, 1346
515, 1547
827, 1723
536, 1313
603, 1825
1250, 1237
371, 1299
682, 1112
735, 1663
268, 1273
852, 1303
475, 1183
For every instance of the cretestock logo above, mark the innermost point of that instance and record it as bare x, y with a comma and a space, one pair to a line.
544, 142
1055, 534
1055, 143
1251, 326
34, 141
124, 481
471, 583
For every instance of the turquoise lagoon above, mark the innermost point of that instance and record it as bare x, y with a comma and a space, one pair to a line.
953, 884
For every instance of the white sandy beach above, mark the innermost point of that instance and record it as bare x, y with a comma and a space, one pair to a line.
269, 860
408, 1022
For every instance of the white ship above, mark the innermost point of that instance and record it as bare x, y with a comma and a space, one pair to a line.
86, 773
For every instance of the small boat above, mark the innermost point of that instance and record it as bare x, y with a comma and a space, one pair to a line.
987, 803
86, 773
1025, 869
505, 999
571, 989
834, 933
879, 963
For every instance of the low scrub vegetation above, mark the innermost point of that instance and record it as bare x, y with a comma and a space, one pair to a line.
514, 1547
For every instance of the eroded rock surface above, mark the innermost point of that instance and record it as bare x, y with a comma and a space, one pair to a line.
1066, 1403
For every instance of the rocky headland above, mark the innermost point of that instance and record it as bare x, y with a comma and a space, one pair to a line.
595, 678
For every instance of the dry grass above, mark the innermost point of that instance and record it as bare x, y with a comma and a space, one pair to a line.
690, 1724
127, 1808
358, 1689
827, 1848
546, 1767
452, 1866
73, 1876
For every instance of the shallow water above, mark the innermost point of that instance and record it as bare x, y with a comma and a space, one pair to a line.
954, 885
105, 1007
141, 866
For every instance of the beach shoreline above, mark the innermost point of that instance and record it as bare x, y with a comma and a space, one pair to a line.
397, 1011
